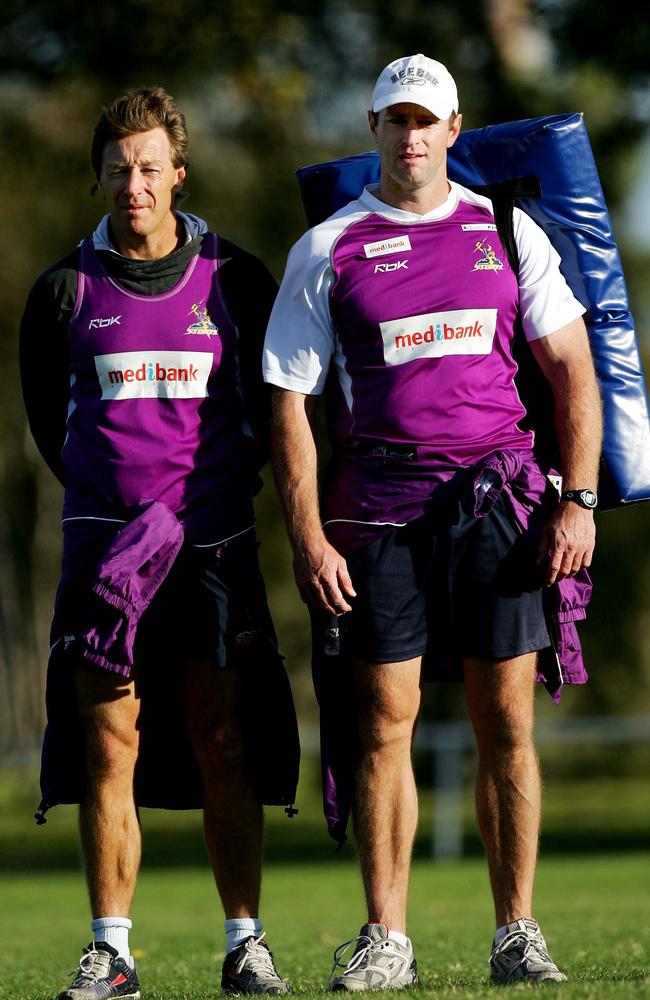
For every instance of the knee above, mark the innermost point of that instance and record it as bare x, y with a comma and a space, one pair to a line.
109, 712
220, 744
503, 732
111, 753
386, 728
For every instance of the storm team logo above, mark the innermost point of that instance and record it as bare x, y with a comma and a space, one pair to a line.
488, 260
203, 326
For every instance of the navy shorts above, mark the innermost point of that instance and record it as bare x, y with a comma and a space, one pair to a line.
468, 586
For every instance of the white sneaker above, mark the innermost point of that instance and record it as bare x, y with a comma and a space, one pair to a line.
523, 954
377, 963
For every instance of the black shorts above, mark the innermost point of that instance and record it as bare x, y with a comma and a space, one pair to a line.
467, 587
212, 597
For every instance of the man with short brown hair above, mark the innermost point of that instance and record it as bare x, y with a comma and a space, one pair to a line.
141, 111
140, 357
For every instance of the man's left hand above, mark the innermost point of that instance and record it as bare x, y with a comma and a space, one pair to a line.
567, 541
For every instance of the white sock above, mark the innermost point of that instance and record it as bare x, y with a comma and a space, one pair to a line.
238, 929
114, 931
400, 938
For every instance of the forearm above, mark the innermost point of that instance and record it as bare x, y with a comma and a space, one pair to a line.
321, 572
295, 466
578, 425
565, 359
566, 362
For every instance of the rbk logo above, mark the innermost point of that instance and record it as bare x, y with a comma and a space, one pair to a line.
395, 265
109, 321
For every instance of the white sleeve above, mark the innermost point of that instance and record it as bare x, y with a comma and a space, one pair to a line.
300, 336
546, 302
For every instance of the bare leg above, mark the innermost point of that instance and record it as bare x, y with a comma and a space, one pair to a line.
500, 699
232, 816
108, 819
385, 804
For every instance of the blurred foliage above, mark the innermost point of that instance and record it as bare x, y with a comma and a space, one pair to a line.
578, 817
267, 87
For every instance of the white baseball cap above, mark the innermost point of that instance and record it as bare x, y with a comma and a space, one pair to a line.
416, 80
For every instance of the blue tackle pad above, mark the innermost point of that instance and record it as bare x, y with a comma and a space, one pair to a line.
546, 167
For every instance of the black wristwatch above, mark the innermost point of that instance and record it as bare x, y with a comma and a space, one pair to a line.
584, 498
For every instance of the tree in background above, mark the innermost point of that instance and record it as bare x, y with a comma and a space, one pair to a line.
267, 87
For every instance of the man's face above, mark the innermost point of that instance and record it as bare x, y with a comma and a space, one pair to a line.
139, 180
413, 145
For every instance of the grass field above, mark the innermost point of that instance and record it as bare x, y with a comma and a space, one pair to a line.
594, 911
593, 897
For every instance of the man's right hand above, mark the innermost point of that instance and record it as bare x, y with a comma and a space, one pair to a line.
321, 572
322, 578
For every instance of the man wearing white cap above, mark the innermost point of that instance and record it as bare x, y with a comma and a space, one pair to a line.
436, 529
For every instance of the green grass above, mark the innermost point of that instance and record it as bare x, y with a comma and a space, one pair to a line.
594, 911
593, 906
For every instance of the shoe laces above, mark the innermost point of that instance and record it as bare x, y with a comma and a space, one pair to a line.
361, 955
93, 965
257, 958
532, 945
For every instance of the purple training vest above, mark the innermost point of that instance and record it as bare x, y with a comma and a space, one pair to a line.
155, 410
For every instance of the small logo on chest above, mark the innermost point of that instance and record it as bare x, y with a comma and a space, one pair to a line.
488, 260
396, 244
393, 265
100, 323
203, 327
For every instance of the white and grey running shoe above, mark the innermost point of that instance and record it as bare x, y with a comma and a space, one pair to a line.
523, 955
249, 968
102, 974
377, 963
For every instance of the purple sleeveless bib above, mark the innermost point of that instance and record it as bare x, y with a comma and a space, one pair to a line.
155, 411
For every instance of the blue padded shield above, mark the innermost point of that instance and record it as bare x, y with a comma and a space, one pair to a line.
547, 165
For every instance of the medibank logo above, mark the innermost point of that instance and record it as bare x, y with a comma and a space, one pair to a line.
154, 374
395, 245
436, 335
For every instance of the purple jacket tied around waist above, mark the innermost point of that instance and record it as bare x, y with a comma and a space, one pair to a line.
128, 576
111, 574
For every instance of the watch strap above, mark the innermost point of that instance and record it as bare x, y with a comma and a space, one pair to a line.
586, 497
